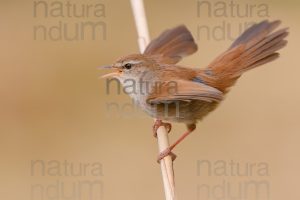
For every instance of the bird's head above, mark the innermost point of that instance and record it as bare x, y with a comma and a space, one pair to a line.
133, 66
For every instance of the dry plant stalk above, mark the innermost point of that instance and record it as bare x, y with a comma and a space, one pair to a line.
166, 164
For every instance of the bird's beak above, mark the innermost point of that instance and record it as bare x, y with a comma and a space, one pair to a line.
114, 74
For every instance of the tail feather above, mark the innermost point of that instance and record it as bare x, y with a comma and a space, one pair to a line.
267, 59
256, 33
258, 45
272, 38
265, 53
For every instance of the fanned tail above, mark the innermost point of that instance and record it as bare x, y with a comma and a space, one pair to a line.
258, 45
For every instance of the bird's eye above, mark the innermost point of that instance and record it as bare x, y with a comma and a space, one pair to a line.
127, 66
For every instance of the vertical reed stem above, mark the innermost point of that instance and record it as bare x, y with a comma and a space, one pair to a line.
166, 164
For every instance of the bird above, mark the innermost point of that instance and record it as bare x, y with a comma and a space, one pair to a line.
171, 93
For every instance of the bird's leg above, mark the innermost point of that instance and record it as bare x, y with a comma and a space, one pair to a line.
159, 123
168, 126
191, 128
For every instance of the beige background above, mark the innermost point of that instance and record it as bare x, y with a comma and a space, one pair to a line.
53, 107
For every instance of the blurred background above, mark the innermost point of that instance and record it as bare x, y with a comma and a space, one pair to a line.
57, 128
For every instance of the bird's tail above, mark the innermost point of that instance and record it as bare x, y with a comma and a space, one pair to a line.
256, 46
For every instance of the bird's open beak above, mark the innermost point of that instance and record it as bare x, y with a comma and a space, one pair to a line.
114, 74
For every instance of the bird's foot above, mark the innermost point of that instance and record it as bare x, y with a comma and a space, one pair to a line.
158, 123
166, 152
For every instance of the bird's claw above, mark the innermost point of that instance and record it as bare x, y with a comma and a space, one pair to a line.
159, 123
166, 152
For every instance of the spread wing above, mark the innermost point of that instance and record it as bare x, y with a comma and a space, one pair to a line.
172, 45
184, 90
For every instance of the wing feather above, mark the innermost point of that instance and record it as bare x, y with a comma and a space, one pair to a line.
172, 45
184, 91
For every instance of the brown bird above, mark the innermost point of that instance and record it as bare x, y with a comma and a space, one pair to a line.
169, 92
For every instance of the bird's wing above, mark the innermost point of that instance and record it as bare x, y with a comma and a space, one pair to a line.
172, 45
183, 90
